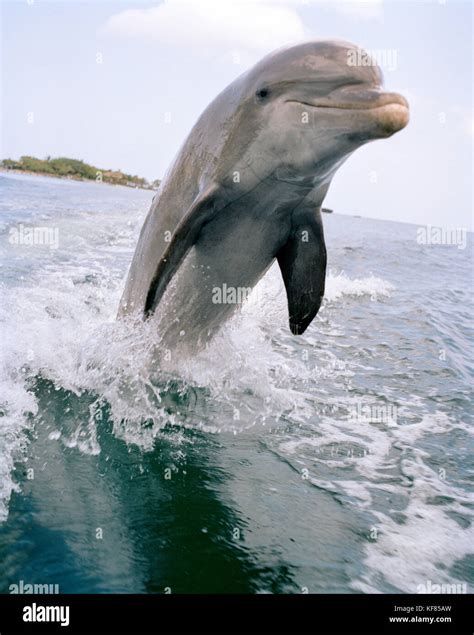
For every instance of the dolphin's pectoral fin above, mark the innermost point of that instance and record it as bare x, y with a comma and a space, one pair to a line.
201, 211
302, 261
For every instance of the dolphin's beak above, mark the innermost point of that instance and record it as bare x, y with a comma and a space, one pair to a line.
389, 110
391, 117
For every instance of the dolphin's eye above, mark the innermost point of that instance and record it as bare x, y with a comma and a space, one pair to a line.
263, 93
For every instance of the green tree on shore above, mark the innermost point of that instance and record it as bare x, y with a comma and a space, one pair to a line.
76, 169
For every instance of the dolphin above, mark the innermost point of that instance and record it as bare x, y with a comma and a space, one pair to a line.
247, 186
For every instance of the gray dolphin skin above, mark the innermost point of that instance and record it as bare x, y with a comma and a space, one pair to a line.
247, 186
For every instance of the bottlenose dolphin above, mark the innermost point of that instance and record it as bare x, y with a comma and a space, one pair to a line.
247, 186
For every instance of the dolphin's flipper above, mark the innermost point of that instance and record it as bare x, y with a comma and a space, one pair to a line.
302, 261
203, 209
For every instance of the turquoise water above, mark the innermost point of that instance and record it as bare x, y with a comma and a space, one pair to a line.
339, 461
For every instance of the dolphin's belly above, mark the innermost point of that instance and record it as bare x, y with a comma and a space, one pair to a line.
231, 255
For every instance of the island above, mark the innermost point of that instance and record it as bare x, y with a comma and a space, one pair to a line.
63, 167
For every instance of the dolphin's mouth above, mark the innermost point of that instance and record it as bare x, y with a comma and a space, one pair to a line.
362, 103
388, 111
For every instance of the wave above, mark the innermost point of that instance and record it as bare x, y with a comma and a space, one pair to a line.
61, 338
339, 285
60, 326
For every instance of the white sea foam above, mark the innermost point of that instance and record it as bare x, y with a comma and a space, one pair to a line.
339, 285
61, 326
413, 540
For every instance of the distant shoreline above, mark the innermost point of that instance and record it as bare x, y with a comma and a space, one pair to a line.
76, 170
73, 178
51, 176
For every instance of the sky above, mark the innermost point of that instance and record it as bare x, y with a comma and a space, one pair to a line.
120, 84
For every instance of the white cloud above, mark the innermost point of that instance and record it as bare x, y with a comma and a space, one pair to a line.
365, 9
245, 25
358, 9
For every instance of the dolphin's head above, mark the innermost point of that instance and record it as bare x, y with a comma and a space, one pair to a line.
313, 104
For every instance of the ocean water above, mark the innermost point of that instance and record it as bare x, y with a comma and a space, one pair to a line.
338, 461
